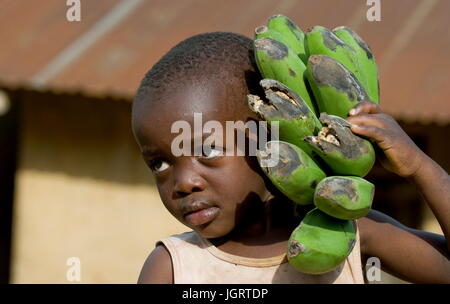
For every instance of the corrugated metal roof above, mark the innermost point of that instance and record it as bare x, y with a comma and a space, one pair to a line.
116, 42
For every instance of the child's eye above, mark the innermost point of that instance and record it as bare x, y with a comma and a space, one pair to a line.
158, 165
212, 153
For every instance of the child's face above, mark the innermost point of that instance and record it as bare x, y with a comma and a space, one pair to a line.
208, 193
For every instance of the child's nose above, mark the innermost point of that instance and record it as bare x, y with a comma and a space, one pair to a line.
187, 180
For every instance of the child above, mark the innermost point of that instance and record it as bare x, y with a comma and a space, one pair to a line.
240, 222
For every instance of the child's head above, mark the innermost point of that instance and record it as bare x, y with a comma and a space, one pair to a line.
209, 74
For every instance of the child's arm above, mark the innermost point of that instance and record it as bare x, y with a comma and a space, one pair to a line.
157, 268
407, 253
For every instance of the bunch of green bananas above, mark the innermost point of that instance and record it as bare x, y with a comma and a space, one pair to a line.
311, 81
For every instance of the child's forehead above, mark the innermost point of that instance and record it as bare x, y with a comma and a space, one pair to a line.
212, 99
198, 109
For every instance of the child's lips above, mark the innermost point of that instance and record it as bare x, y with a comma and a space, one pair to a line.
202, 216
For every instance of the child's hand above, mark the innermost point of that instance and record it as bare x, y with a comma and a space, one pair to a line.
401, 155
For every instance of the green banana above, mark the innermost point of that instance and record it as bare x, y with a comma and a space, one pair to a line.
277, 61
366, 60
344, 197
343, 151
320, 243
264, 31
321, 41
335, 88
291, 32
295, 174
295, 119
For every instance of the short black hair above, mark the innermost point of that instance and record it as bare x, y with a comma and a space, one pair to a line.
221, 55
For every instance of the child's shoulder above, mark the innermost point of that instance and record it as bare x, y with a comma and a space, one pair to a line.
158, 267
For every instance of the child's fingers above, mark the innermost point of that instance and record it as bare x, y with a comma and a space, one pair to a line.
376, 120
375, 134
365, 107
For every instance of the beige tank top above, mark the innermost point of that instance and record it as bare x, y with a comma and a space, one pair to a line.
196, 260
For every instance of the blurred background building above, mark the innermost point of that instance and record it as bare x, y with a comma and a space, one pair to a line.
72, 181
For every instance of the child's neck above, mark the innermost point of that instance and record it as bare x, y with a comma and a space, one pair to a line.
263, 235
265, 245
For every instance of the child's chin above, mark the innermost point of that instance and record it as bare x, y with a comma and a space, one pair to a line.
208, 231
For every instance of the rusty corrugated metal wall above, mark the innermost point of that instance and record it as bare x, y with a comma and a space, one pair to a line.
411, 43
